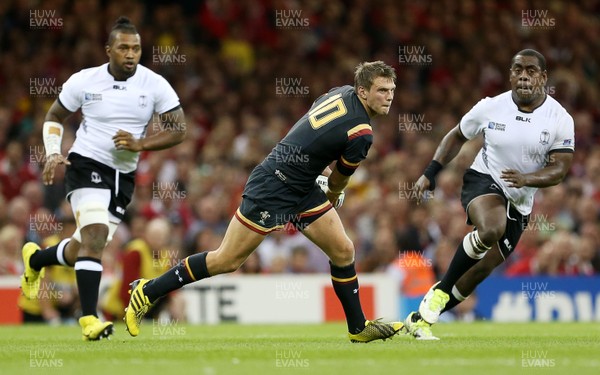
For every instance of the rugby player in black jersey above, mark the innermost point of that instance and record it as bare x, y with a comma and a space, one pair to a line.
283, 189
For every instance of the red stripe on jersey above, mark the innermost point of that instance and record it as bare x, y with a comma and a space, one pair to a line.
360, 134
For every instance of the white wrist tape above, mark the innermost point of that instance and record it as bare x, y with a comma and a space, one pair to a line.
53, 133
323, 183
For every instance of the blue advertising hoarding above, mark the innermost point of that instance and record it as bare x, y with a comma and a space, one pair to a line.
541, 299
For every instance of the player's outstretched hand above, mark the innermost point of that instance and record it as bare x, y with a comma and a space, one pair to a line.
421, 187
125, 141
52, 162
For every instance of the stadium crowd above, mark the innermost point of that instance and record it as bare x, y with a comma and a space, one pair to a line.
245, 70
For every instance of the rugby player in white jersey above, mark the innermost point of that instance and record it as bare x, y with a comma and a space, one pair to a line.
528, 144
117, 100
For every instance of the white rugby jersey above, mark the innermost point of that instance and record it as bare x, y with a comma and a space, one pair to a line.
108, 105
517, 140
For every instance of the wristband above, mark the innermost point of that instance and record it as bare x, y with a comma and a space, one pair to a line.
431, 171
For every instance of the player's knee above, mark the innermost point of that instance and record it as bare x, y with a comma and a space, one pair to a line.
93, 237
490, 234
344, 254
92, 218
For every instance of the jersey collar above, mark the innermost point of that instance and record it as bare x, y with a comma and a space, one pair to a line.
520, 110
113, 77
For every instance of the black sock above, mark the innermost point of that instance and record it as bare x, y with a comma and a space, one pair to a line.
451, 303
345, 284
460, 264
51, 256
88, 272
190, 269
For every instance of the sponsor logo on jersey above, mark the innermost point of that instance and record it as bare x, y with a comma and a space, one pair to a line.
496, 126
568, 142
142, 101
507, 244
119, 87
280, 175
92, 97
524, 119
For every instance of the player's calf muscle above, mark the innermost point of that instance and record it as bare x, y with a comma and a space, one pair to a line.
223, 264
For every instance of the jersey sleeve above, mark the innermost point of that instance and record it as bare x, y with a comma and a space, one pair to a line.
360, 139
473, 122
565, 135
71, 94
166, 99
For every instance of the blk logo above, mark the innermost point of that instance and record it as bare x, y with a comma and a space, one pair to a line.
524, 119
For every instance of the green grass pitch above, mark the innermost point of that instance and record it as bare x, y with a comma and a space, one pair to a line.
478, 348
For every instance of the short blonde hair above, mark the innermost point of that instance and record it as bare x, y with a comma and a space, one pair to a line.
366, 72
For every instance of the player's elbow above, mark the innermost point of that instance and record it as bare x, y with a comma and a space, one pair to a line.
180, 135
559, 180
558, 177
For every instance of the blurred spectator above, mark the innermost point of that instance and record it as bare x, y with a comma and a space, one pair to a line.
251, 265
299, 260
14, 171
19, 210
11, 241
564, 254
414, 274
145, 257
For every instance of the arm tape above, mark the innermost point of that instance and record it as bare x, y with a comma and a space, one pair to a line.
53, 133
